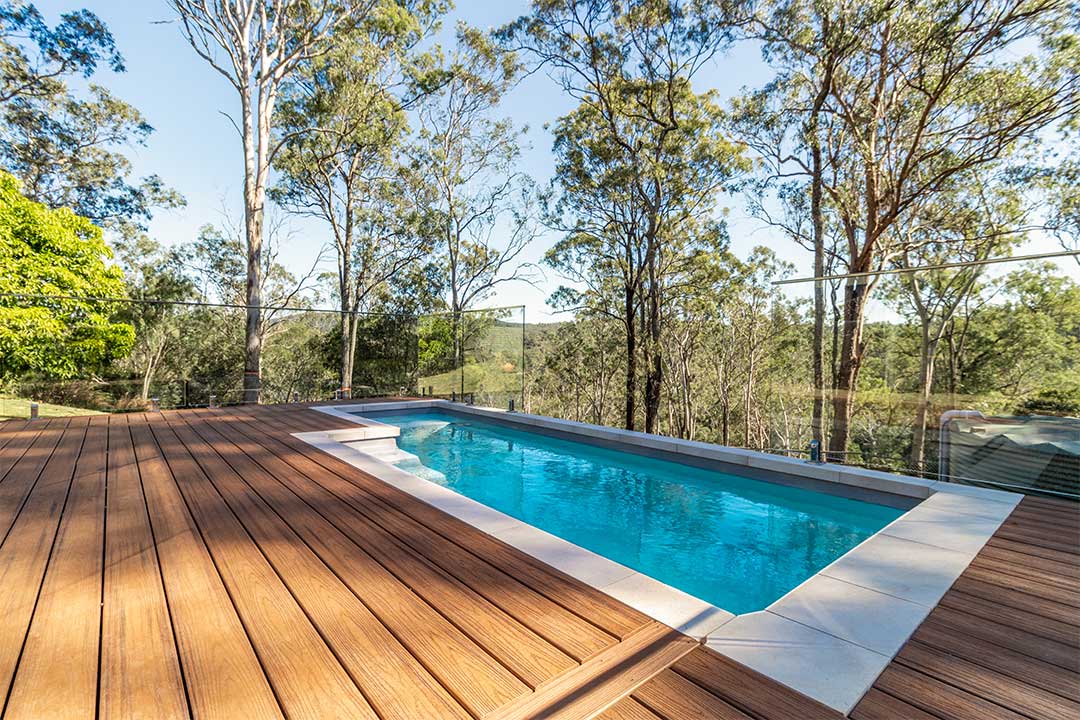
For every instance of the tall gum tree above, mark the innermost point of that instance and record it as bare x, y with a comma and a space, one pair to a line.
783, 125
256, 45
934, 91
631, 66
478, 203
979, 220
349, 174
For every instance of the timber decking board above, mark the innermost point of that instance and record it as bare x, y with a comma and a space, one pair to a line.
225, 679
222, 568
307, 680
526, 654
58, 670
1004, 642
356, 606
604, 679
140, 668
25, 549
562, 628
588, 603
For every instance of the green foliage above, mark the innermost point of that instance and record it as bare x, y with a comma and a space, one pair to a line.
68, 150
34, 57
478, 205
57, 253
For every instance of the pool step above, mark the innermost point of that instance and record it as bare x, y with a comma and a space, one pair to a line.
419, 469
386, 450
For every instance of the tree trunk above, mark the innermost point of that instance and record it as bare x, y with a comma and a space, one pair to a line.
856, 293
816, 211
631, 360
348, 319
254, 192
654, 372
748, 399
725, 420
922, 409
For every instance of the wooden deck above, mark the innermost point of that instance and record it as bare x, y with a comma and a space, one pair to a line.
207, 564
1005, 641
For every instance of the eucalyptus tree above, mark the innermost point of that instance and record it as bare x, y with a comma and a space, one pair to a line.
1056, 181
785, 124
478, 203
349, 173
257, 45
640, 158
978, 220
157, 279
36, 59
68, 148
933, 91
70, 152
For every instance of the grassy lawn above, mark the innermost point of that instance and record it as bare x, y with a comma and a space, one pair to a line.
12, 407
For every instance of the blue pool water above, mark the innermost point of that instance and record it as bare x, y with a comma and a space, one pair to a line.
737, 543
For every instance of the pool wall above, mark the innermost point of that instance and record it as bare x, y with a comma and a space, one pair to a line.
829, 637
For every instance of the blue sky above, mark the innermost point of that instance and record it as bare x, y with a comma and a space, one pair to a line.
196, 150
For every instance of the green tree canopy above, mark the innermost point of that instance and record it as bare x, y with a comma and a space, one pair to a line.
56, 253
69, 147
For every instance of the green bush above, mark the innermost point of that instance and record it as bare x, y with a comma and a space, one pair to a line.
59, 254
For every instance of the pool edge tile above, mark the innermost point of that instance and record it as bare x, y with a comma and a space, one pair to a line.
671, 606
948, 529
833, 671
906, 569
585, 565
879, 622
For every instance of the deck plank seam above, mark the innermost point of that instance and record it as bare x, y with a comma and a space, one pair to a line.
161, 574
921, 644
127, 448
104, 559
374, 501
37, 478
965, 690
896, 697
341, 580
37, 430
729, 700
937, 627
45, 568
460, 578
216, 563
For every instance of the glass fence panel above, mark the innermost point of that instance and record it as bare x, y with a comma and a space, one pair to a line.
85, 356
988, 395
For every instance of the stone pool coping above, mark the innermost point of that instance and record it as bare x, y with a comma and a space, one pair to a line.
829, 637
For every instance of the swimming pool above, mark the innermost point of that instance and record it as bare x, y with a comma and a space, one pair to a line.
734, 542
